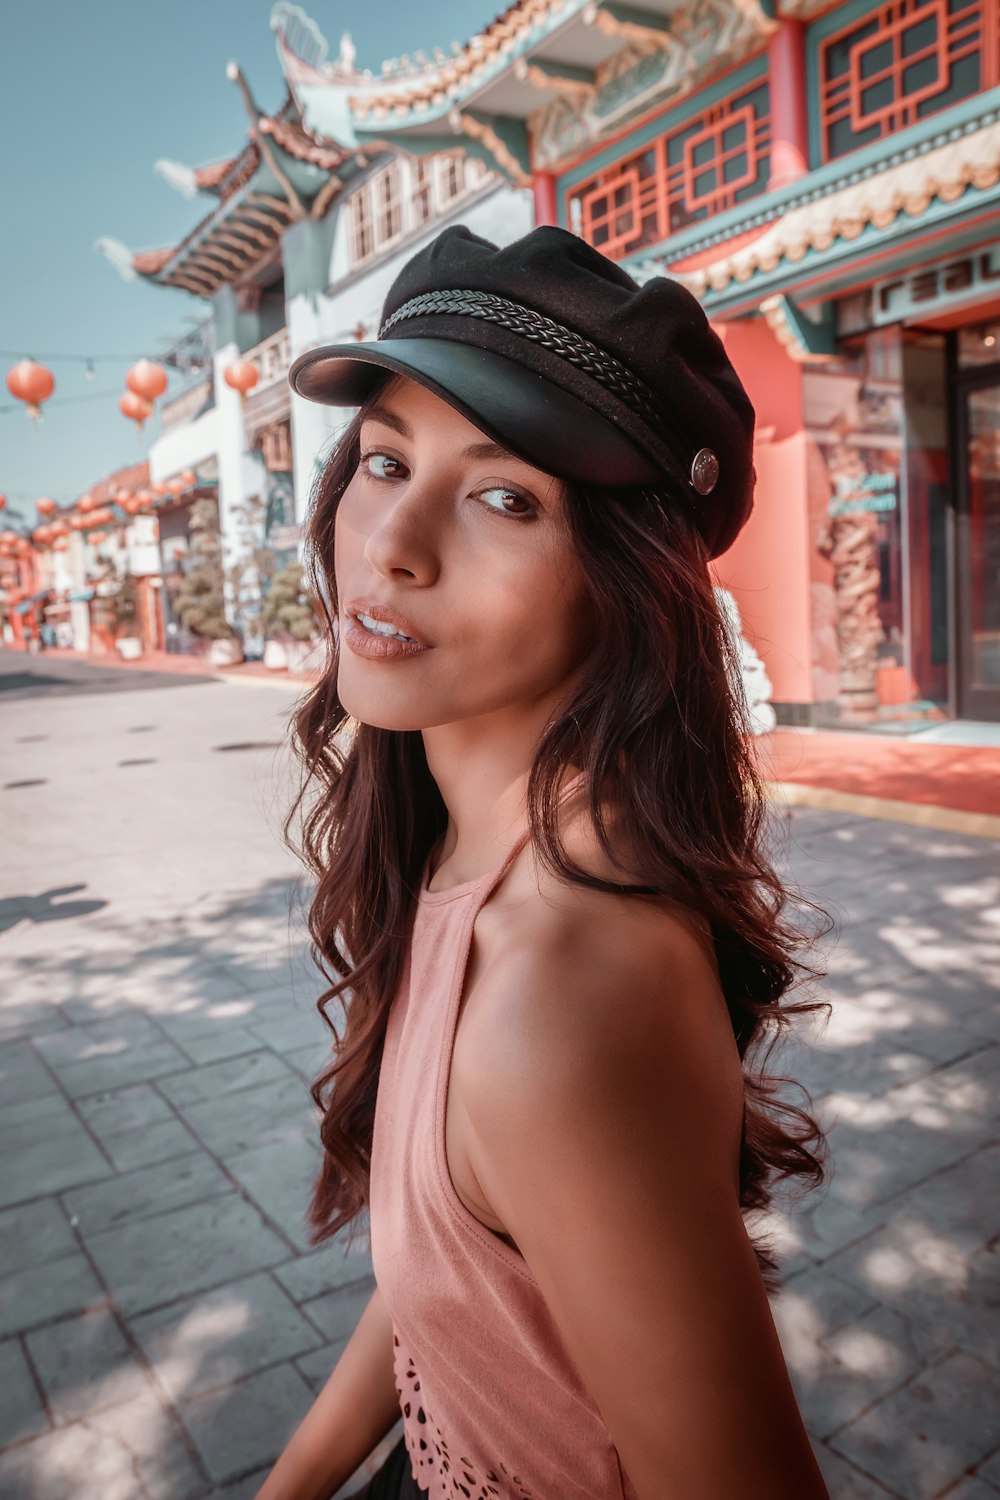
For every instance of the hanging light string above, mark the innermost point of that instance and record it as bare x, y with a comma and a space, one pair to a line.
80, 359
63, 401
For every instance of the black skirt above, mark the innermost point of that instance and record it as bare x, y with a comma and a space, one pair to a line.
394, 1480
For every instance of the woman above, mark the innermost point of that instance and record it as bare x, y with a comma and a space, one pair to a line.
543, 897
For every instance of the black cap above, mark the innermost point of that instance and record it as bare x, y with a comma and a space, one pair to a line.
556, 352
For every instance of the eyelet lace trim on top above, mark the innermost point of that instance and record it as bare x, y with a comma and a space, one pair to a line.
435, 1469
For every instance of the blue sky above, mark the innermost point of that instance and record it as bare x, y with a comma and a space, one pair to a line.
91, 94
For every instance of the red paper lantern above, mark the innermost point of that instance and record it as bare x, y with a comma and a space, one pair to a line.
45, 506
189, 477
3, 502
79, 523
87, 502
242, 376
146, 380
133, 505
176, 486
136, 408
32, 384
145, 497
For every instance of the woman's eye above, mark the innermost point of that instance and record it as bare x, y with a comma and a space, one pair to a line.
373, 474
506, 495
383, 465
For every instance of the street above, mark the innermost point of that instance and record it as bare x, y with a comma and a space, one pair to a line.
164, 1321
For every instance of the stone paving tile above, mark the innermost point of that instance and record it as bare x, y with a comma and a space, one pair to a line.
212, 1080
146, 1191
812, 1305
131, 1450
296, 1029
45, 1149
845, 1482
989, 1469
278, 1178
241, 1489
228, 1125
32, 1234
854, 1367
247, 1425
136, 1126
30, 1018
336, 1314
95, 1075
325, 1269
21, 1411
103, 1039
925, 1436
317, 1367
23, 1077
150, 1262
211, 1340
38, 1293
84, 1365
973, 1489
213, 1046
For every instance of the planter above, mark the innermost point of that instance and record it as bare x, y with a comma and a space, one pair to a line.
275, 656
299, 655
129, 647
226, 652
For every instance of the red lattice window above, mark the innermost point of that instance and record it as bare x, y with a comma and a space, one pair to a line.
902, 62
710, 163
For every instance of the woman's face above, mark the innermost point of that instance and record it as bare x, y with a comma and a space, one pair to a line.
469, 547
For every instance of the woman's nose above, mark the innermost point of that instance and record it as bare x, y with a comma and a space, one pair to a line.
405, 540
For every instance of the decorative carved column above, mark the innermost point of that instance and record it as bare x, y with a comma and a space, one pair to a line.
850, 541
789, 110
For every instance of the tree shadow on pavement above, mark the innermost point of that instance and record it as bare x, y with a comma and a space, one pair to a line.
887, 1315
157, 1142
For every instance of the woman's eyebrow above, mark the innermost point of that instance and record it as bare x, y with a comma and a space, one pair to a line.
388, 418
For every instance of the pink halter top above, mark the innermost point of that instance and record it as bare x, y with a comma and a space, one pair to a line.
492, 1404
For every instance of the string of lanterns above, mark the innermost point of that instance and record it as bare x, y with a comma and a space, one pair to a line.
90, 516
145, 382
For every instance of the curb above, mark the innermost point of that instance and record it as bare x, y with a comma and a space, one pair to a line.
918, 814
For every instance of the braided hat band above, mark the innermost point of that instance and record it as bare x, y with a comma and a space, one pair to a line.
598, 381
612, 374
600, 365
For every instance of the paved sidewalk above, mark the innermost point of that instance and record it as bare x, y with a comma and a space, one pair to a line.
163, 1322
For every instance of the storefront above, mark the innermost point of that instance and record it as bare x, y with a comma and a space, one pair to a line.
904, 499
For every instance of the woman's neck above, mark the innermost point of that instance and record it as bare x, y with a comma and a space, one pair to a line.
481, 772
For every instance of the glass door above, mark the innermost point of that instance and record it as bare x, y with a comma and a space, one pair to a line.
978, 549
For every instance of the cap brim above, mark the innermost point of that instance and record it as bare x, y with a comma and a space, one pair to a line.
516, 407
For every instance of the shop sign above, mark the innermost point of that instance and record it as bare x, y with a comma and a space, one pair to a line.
869, 492
933, 289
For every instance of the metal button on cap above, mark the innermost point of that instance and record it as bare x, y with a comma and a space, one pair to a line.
705, 471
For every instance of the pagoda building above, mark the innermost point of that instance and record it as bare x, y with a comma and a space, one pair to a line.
302, 237
826, 179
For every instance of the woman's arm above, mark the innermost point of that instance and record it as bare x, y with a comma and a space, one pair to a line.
606, 1107
352, 1413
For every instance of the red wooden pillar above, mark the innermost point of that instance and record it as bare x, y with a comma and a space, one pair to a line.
789, 112
544, 185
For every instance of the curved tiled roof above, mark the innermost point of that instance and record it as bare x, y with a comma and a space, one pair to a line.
944, 173
210, 177
299, 143
149, 262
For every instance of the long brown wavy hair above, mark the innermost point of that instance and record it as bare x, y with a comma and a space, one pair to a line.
666, 752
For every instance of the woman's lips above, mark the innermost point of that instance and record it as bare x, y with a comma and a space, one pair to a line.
377, 647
